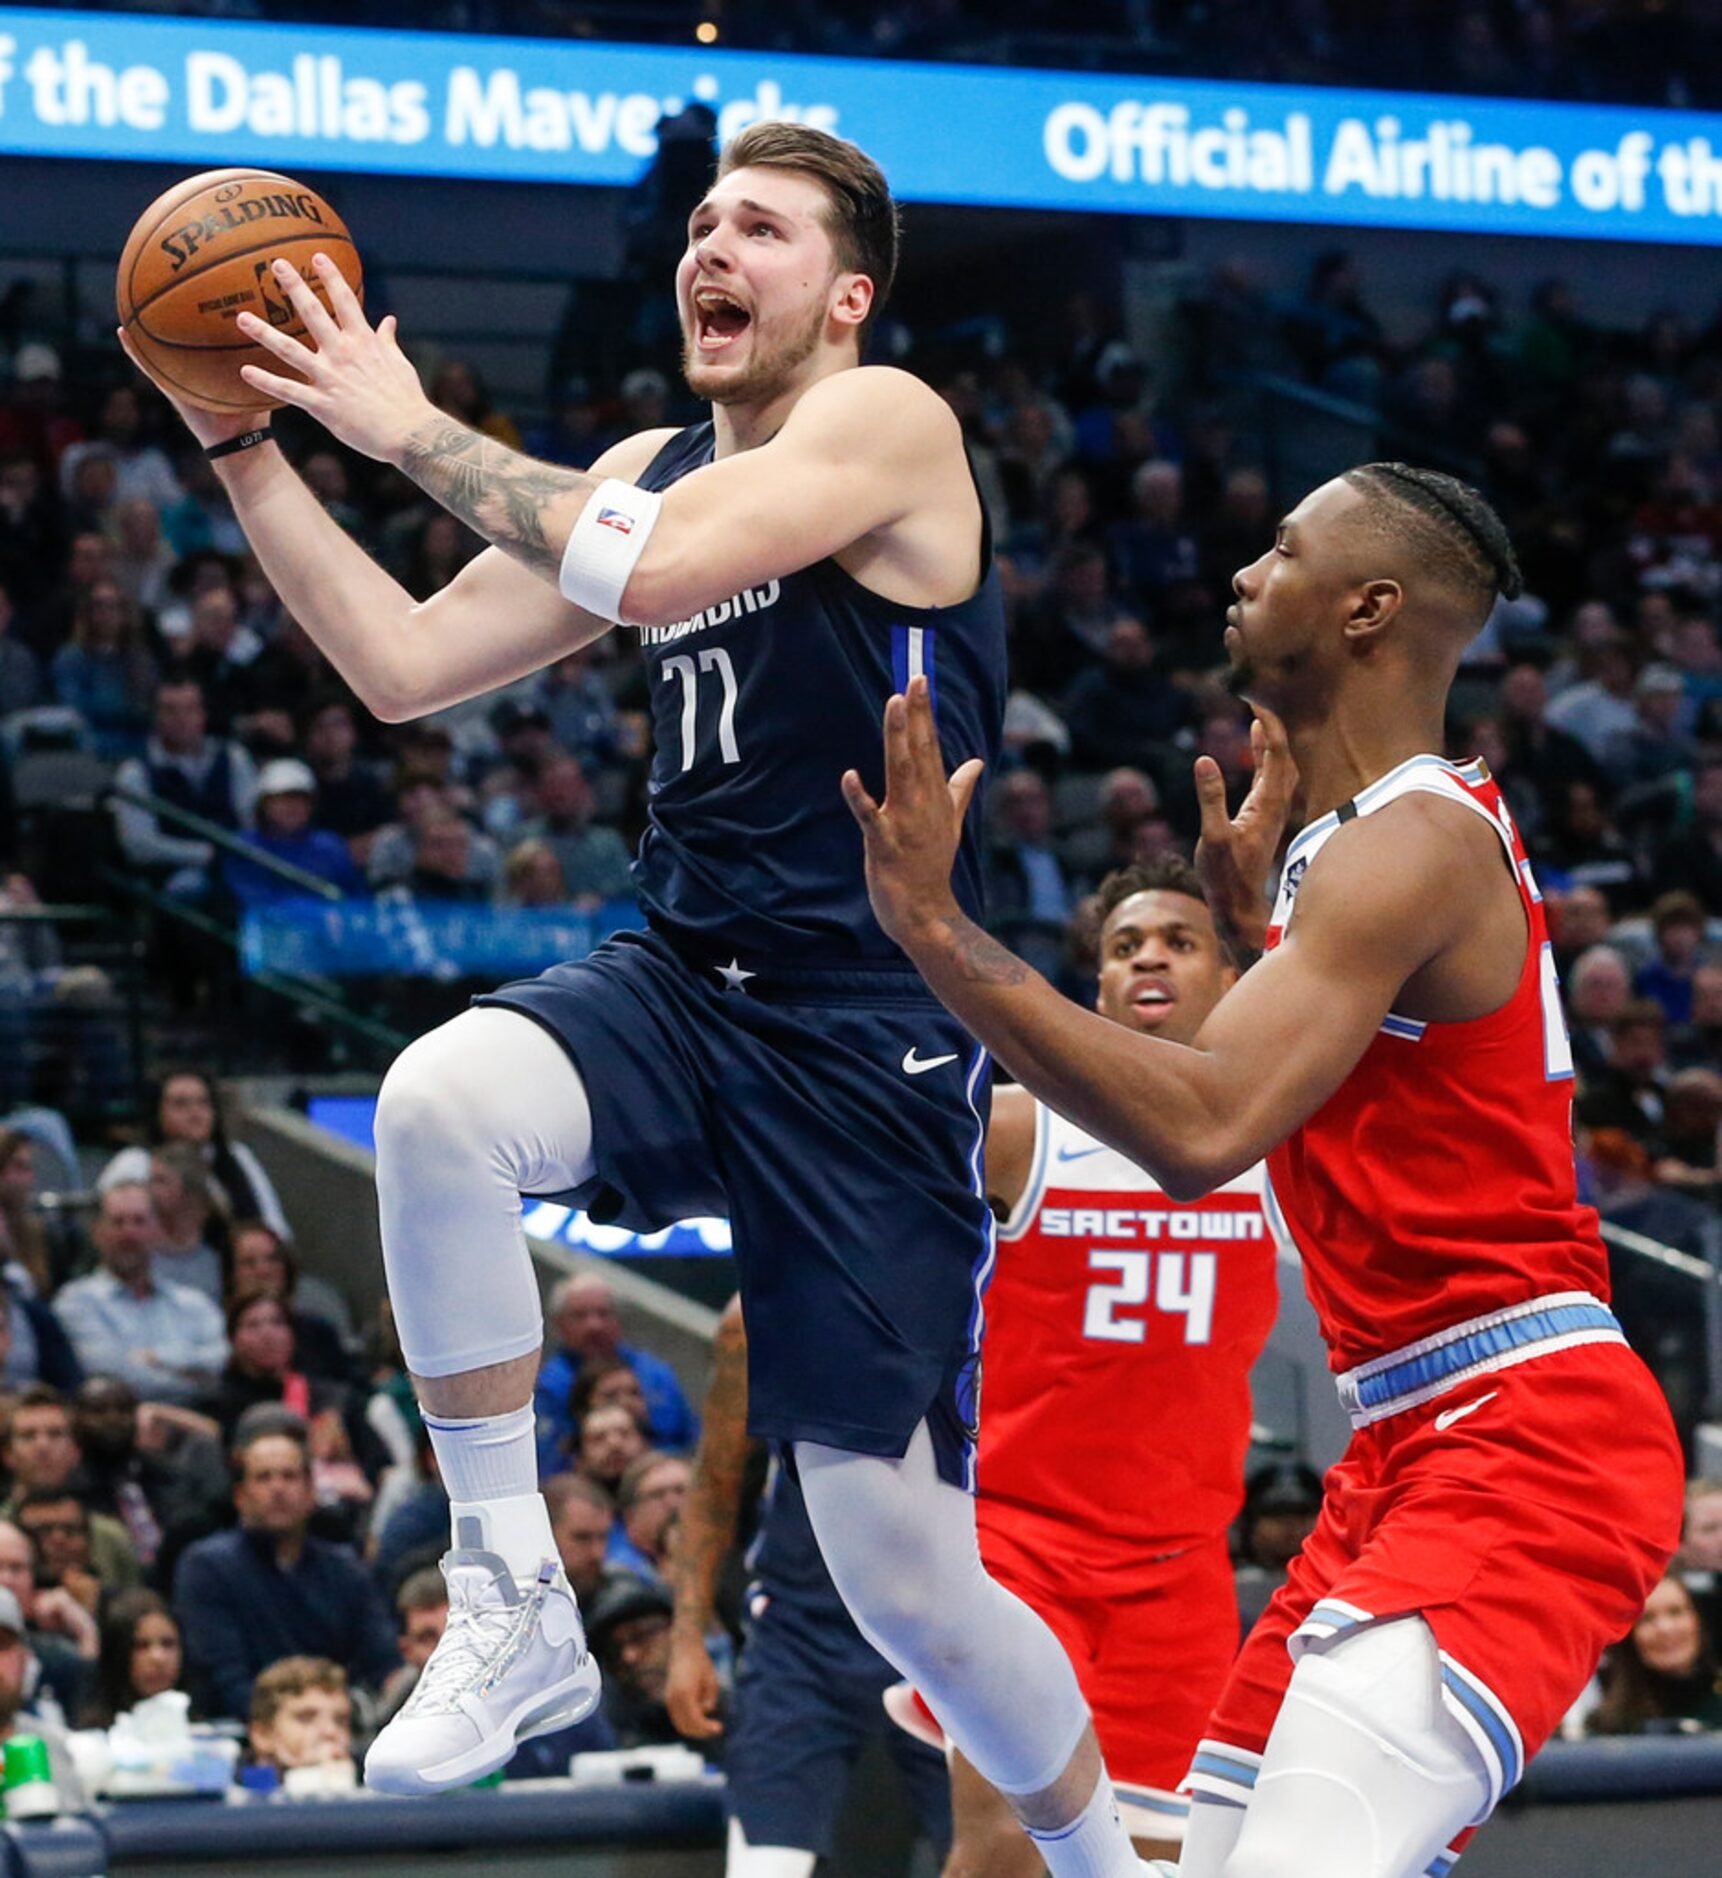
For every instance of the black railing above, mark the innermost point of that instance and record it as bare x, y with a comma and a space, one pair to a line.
320, 998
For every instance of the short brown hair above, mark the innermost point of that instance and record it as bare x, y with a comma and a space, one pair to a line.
37, 1395
291, 1676
863, 223
425, 1590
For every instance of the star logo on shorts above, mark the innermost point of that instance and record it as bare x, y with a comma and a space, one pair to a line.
733, 976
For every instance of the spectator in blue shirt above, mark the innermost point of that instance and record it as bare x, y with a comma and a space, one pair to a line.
1677, 919
166, 1340
286, 790
249, 1597
587, 1329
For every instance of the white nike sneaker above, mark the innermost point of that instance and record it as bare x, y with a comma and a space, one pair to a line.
511, 1664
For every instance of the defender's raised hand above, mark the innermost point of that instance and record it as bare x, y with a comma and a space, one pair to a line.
1235, 853
356, 381
912, 835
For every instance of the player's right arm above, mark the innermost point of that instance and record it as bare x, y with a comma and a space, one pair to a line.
493, 623
707, 1531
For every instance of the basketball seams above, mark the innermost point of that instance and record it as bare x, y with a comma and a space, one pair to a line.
176, 198
234, 254
215, 281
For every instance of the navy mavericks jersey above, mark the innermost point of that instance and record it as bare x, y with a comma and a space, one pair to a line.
759, 704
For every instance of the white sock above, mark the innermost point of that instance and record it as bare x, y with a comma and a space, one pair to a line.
490, 1467
1094, 1844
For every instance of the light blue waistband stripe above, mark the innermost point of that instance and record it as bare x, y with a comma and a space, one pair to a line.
1491, 1724
1481, 1346
1240, 1773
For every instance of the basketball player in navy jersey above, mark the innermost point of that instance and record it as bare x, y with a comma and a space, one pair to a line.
762, 1049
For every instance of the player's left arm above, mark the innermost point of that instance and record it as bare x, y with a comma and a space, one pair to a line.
860, 450
1277, 1045
707, 1531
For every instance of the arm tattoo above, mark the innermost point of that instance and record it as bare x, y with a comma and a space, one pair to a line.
713, 1503
981, 958
504, 496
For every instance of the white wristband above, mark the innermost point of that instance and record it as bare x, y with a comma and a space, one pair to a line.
606, 544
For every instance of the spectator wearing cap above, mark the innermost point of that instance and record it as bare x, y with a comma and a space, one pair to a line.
269, 1589
648, 1499
1678, 924
628, 1629
1282, 1502
286, 793
166, 1340
187, 767
15, 1662
352, 799
588, 1328
594, 860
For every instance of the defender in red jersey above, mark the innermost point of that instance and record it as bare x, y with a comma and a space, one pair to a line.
1121, 1328
1512, 1491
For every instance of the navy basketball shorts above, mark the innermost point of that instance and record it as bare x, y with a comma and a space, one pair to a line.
809, 1696
837, 1118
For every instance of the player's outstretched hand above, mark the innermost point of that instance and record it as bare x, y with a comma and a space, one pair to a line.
208, 427
912, 835
694, 1693
1235, 853
355, 380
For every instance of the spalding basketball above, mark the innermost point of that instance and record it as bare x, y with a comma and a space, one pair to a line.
200, 256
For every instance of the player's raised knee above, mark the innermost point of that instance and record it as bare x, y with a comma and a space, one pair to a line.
424, 1099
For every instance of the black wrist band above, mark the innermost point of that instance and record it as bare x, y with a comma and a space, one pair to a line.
246, 440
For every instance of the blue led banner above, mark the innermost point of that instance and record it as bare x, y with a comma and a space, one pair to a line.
395, 935
207, 94
353, 1118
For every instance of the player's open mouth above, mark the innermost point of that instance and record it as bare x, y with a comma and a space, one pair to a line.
1152, 998
718, 319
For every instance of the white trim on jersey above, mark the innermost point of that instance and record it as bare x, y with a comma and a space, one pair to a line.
1021, 1216
1425, 775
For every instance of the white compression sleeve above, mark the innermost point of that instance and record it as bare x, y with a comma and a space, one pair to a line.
901, 1546
469, 1117
1366, 1773
742, 1860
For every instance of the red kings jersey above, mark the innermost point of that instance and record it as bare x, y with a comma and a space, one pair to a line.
1121, 1328
1437, 1183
